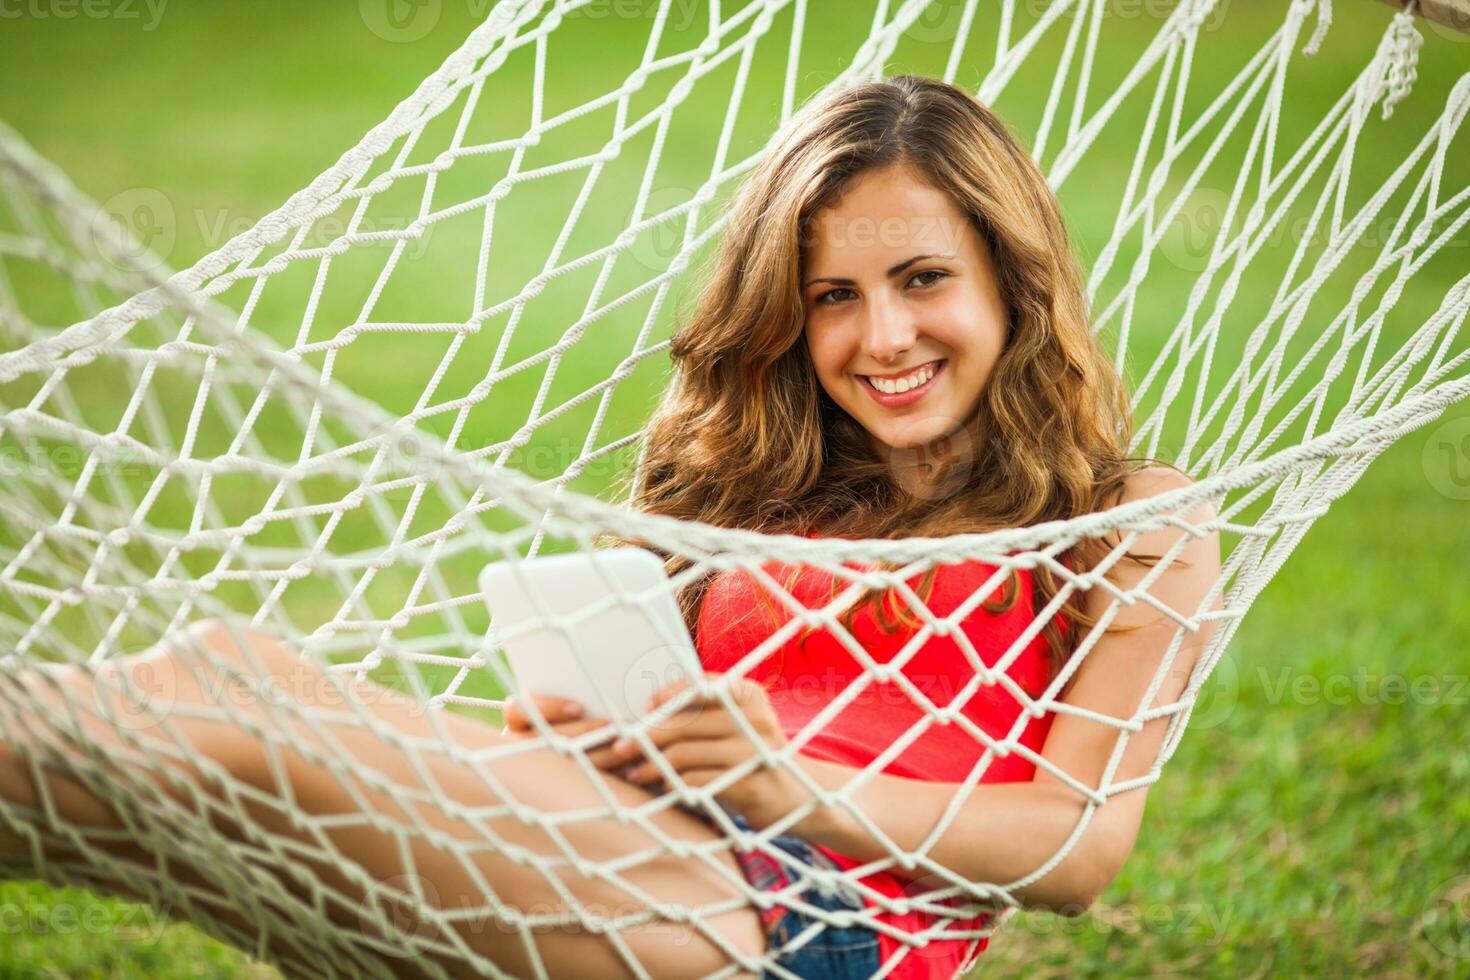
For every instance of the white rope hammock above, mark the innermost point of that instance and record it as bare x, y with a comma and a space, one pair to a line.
212, 444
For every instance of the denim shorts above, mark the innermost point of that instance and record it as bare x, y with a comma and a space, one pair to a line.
830, 952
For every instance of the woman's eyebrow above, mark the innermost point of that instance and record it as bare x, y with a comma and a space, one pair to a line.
895, 270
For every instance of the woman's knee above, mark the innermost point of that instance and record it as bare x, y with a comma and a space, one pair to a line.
216, 686
238, 646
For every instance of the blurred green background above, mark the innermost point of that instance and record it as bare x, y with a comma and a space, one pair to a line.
1314, 818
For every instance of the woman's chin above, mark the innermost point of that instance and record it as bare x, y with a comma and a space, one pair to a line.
914, 440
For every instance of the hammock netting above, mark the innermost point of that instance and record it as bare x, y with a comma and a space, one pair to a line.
442, 351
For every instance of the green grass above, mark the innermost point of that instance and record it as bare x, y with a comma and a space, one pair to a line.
1298, 830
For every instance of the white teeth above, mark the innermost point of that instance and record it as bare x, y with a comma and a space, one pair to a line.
902, 384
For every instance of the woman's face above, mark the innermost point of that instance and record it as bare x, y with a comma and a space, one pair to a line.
899, 285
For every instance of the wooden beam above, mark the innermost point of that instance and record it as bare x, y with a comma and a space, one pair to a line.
1454, 14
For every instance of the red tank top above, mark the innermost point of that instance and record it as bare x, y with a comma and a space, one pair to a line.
813, 668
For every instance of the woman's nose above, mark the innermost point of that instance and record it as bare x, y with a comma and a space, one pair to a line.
889, 330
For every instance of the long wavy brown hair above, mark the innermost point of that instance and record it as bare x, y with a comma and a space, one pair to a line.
748, 438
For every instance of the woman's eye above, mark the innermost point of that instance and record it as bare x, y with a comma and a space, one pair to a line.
934, 276
831, 296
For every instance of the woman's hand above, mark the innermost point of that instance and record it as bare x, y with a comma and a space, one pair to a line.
563, 716
703, 740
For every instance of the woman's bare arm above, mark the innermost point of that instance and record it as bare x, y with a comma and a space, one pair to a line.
1005, 831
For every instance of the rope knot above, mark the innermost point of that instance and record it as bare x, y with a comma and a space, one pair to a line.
1195, 18
1324, 21
1403, 41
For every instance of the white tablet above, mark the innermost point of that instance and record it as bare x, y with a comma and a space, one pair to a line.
601, 627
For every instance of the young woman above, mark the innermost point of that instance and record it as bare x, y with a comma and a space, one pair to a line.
894, 341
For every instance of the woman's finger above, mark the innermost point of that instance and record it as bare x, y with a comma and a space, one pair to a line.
706, 722
740, 690
697, 753
602, 758
572, 728
554, 710
698, 778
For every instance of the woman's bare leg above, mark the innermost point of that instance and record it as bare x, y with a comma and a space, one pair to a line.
279, 761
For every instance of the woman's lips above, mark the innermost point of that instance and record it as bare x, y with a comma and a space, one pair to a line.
903, 398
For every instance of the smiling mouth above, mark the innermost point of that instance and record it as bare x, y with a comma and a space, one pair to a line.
934, 367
